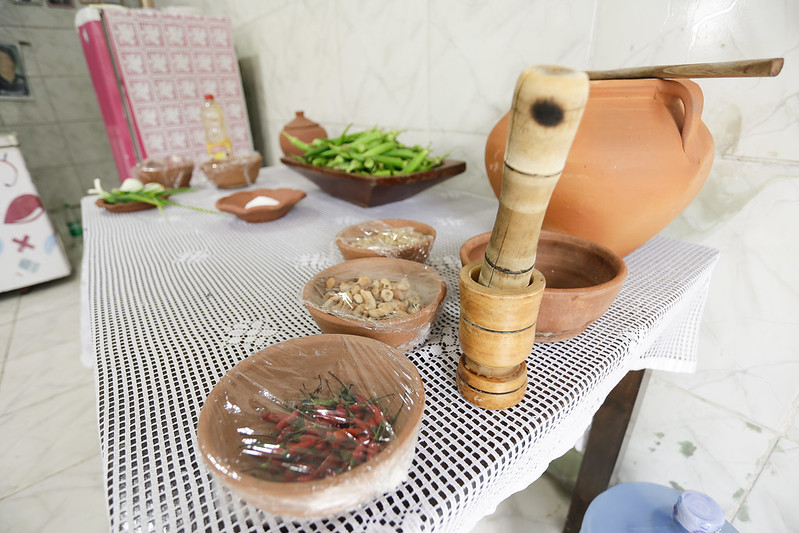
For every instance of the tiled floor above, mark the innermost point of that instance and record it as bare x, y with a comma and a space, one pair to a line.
731, 430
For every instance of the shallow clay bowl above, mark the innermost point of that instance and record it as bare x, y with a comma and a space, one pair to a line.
367, 191
234, 173
171, 172
236, 204
123, 207
582, 281
270, 381
401, 332
352, 241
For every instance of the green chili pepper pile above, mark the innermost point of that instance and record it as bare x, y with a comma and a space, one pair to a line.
372, 152
318, 438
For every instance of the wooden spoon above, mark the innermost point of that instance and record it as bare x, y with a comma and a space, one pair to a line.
748, 68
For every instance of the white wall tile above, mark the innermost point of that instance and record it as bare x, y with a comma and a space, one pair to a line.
72, 98
760, 116
57, 52
47, 17
36, 110
41, 144
747, 349
87, 140
382, 57
478, 49
297, 50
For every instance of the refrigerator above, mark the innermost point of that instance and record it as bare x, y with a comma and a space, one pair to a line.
151, 69
31, 251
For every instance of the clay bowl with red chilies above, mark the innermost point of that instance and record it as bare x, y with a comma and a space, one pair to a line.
356, 393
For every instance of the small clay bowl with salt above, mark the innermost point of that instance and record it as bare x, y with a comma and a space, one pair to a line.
260, 205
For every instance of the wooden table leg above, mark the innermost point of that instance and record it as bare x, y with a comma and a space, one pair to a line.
602, 449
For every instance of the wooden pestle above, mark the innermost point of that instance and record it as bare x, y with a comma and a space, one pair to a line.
500, 296
548, 103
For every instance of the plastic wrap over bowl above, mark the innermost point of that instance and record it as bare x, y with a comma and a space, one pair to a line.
389, 237
234, 173
267, 430
395, 301
172, 172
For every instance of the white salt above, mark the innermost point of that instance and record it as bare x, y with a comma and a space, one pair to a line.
260, 201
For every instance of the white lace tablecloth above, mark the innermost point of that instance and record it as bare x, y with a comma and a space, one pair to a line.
172, 302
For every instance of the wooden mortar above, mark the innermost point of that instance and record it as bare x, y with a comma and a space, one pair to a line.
500, 297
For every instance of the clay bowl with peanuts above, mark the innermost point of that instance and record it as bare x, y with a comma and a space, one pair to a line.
388, 237
582, 277
395, 301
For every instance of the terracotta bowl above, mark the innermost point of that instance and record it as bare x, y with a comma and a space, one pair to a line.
234, 173
582, 277
171, 172
366, 191
425, 290
388, 237
271, 382
236, 204
124, 207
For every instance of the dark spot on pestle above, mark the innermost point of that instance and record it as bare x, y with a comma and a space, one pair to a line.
547, 113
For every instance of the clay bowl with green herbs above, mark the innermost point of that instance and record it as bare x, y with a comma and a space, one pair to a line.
313, 426
387, 237
371, 167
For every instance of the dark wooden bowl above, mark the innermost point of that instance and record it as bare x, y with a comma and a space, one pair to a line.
367, 191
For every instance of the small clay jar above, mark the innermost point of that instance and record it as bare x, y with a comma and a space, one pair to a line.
302, 128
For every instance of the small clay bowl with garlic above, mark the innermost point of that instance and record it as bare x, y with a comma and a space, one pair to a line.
260, 205
388, 237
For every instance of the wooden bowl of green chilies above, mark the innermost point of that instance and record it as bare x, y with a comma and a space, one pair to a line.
370, 191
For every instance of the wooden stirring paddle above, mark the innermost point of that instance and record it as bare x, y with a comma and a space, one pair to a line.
748, 68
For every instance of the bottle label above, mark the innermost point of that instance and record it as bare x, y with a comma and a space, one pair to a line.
220, 150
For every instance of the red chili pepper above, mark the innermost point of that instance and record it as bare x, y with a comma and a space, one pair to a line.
286, 420
378, 414
359, 453
308, 441
274, 417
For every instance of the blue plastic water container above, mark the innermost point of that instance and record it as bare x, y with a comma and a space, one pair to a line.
647, 507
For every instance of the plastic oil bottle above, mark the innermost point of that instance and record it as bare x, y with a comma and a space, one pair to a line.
217, 139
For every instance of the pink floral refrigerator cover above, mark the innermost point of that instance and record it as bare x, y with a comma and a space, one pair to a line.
30, 250
151, 70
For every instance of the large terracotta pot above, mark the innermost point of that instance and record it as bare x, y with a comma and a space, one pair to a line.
640, 156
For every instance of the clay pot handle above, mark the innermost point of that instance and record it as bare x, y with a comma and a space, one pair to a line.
693, 102
548, 103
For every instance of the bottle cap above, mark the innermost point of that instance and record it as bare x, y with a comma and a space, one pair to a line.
209, 96
698, 513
